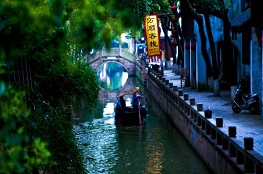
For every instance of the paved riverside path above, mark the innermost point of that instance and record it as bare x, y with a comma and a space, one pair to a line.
247, 124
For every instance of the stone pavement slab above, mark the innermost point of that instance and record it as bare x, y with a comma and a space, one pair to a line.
247, 124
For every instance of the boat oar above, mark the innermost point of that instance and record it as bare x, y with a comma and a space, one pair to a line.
139, 113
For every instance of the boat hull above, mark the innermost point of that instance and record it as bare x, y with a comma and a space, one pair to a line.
130, 118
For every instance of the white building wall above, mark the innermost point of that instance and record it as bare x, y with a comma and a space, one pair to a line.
201, 77
217, 31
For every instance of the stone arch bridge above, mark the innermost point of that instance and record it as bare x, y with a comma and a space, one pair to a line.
118, 55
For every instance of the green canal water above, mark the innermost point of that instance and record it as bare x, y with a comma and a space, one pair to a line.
156, 148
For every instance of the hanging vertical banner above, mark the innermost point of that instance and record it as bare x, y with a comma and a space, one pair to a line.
152, 35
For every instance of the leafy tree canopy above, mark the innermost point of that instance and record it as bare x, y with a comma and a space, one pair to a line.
45, 34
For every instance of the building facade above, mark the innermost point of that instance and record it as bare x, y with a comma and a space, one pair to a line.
246, 20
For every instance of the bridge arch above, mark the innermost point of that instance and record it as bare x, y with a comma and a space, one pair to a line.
118, 55
111, 61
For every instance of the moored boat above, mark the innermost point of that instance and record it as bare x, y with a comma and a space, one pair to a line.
130, 117
126, 115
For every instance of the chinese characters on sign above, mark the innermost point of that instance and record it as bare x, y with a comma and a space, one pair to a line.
152, 35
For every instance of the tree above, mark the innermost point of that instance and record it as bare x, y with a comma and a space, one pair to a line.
18, 152
34, 119
187, 9
219, 9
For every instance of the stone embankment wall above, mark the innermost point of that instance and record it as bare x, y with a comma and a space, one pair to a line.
221, 153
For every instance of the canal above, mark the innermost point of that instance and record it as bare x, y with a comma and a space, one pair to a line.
156, 148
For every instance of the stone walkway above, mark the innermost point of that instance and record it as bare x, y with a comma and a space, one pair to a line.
247, 124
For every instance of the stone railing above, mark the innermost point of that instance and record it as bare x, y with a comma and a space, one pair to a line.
113, 52
142, 73
218, 146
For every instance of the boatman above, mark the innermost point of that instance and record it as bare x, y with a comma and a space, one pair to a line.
136, 103
136, 99
120, 109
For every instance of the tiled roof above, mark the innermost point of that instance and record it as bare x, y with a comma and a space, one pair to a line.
241, 19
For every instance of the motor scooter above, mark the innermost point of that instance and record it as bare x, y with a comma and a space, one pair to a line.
245, 102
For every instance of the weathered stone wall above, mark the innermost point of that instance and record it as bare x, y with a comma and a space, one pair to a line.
221, 153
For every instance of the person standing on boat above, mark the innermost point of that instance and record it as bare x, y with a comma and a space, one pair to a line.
120, 109
122, 103
136, 103
135, 99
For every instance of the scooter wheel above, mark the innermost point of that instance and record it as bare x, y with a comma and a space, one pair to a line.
235, 108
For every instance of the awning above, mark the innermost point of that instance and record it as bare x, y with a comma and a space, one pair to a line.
242, 19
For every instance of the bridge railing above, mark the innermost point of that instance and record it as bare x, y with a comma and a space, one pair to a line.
126, 54
113, 52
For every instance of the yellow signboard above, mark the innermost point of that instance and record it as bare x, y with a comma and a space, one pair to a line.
152, 35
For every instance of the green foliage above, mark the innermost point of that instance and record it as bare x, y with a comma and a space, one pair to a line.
31, 142
227, 4
214, 7
12, 103
69, 84
51, 36
18, 153
54, 127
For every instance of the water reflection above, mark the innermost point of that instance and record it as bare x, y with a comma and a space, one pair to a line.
108, 114
97, 139
157, 148
112, 75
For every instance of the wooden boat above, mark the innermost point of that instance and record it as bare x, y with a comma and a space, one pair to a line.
130, 117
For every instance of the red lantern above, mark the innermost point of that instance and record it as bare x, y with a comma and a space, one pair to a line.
187, 46
261, 40
174, 32
173, 8
174, 19
174, 43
